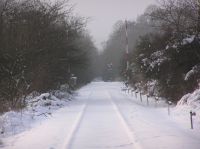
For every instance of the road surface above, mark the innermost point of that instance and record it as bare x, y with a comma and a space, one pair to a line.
101, 124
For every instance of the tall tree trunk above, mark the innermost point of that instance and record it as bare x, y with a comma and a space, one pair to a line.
198, 19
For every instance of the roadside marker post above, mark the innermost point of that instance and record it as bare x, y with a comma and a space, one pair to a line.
136, 94
140, 96
191, 118
147, 100
156, 101
132, 92
169, 103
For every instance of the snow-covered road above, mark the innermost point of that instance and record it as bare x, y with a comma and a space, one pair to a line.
100, 125
102, 117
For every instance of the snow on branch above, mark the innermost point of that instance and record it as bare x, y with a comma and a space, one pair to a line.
195, 70
156, 59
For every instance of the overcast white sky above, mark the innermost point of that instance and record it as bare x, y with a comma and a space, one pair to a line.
105, 13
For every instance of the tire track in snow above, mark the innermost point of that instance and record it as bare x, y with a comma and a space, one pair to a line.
125, 124
76, 125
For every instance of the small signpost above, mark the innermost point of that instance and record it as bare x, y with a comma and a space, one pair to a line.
140, 96
191, 118
169, 103
124, 89
73, 81
156, 101
147, 100
132, 92
136, 94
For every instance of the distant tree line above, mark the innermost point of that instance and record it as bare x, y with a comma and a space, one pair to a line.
114, 48
165, 55
41, 45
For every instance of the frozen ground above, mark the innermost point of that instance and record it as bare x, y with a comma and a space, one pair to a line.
102, 116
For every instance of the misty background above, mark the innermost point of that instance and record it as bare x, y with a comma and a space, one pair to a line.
103, 14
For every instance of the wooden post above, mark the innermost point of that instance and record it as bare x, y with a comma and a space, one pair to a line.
147, 100
136, 94
168, 107
132, 92
156, 101
191, 118
140, 96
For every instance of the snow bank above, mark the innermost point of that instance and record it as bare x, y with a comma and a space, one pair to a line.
192, 100
39, 107
188, 40
194, 71
189, 102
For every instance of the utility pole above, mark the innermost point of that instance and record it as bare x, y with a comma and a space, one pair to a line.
198, 19
127, 51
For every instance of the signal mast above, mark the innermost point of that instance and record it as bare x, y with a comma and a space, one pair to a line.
127, 53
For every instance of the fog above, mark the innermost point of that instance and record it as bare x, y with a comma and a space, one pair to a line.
104, 13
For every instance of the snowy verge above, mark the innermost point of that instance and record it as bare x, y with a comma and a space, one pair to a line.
189, 102
154, 128
39, 108
180, 113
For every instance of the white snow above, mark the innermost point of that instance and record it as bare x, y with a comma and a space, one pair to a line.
190, 102
194, 71
155, 59
38, 108
188, 39
103, 116
151, 87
